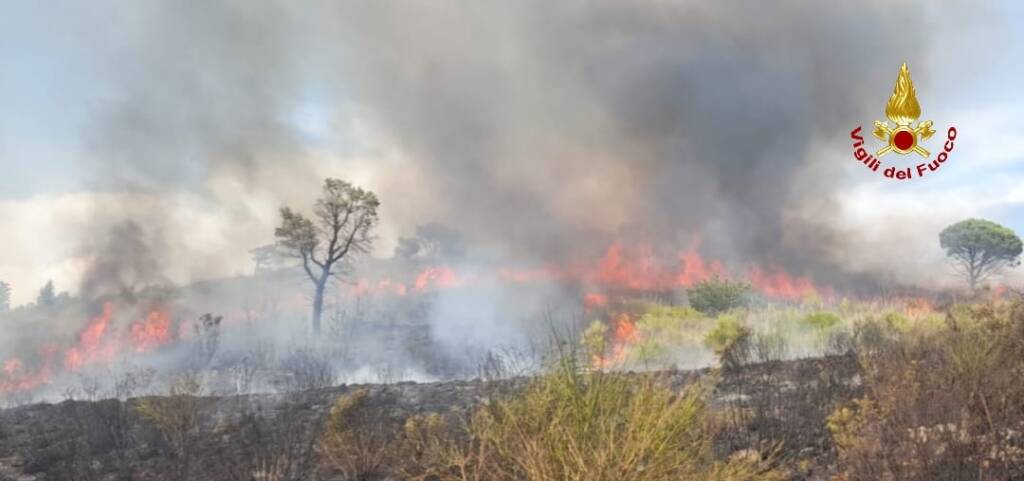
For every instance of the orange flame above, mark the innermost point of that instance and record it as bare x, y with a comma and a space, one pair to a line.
593, 300
918, 306
620, 268
623, 336
151, 332
436, 277
99, 341
781, 285
90, 341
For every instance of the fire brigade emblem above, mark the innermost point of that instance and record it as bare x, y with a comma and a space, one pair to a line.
903, 110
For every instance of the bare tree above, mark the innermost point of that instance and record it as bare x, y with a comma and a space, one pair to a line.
343, 218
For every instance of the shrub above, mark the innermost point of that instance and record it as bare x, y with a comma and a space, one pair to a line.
354, 445
938, 403
176, 417
820, 320
594, 340
663, 330
596, 426
566, 424
715, 295
307, 369
769, 346
730, 341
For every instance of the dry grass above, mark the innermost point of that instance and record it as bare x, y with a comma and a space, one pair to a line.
568, 425
942, 402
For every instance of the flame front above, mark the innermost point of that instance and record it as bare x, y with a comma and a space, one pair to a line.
903, 107
100, 341
623, 336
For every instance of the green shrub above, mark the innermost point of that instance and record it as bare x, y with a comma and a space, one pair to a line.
768, 346
715, 295
594, 340
730, 341
601, 427
820, 320
663, 330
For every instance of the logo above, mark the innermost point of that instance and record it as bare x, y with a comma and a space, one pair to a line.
904, 137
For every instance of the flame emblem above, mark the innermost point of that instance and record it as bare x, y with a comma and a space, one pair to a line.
903, 110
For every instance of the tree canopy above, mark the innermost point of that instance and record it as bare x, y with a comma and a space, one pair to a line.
341, 226
980, 248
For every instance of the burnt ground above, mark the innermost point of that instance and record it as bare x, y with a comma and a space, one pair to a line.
780, 405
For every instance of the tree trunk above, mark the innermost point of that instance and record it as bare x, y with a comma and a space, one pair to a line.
318, 304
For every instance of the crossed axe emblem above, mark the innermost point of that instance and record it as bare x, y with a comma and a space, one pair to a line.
902, 138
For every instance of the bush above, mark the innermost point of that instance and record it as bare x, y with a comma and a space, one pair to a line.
664, 331
715, 295
938, 403
769, 346
730, 341
354, 446
307, 369
566, 424
597, 426
820, 320
176, 417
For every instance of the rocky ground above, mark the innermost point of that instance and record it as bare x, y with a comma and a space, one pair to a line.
781, 404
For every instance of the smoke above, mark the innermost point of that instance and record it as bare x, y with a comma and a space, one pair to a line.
537, 130
120, 262
551, 128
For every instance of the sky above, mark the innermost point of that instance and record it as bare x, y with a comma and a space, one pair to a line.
79, 84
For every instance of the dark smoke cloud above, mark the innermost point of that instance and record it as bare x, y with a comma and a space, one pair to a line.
539, 127
698, 117
121, 261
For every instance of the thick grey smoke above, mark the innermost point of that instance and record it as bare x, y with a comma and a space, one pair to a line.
120, 261
536, 128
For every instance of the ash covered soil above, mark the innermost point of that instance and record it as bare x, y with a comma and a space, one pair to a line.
781, 403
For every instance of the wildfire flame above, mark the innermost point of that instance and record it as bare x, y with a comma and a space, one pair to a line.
623, 335
98, 342
620, 268
903, 107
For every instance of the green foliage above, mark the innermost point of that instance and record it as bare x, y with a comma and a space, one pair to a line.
343, 220
594, 339
574, 425
980, 248
567, 424
667, 319
730, 340
718, 295
768, 346
663, 327
820, 320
